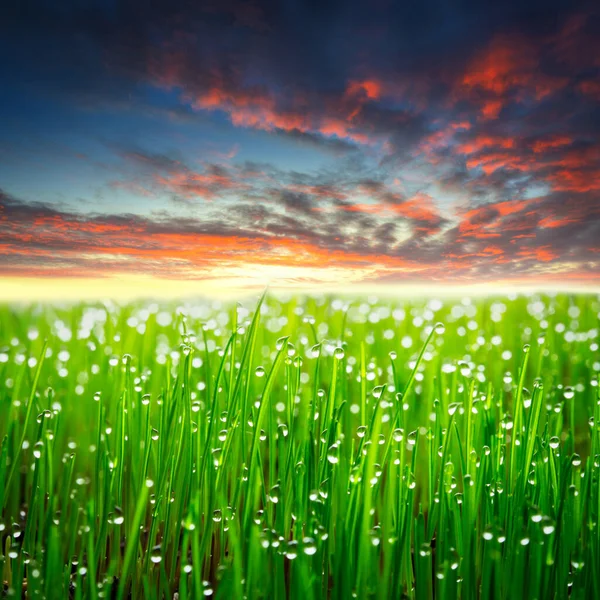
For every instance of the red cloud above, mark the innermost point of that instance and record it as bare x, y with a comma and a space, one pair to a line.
372, 89
507, 70
550, 143
485, 141
189, 184
488, 220
420, 210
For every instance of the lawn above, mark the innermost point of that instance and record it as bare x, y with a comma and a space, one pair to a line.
302, 447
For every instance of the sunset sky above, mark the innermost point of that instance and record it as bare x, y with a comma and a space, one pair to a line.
230, 143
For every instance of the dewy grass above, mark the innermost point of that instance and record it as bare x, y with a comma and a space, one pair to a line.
301, 448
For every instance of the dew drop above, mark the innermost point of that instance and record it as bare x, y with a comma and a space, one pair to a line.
156, 554
339, 353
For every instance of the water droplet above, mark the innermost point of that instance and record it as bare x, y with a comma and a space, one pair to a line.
309, 546
548, 526
274, 494
156, 554
569, 393
37, 449
440, 328
339, 353
554, 442
118, 517
46, 414
377, 391
452, 407
526, 348
154, 434
259, 371
333, 454
291, 551
398, 435
217, 515
537, 517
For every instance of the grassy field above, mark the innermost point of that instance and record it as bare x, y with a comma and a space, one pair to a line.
302, 448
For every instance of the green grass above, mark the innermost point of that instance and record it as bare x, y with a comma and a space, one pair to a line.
316, 447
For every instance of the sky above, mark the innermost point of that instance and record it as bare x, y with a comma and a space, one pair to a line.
229, 144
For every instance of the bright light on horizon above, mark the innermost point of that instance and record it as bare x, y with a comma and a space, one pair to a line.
22, 289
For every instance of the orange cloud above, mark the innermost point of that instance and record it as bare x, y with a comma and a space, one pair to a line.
486, 221
507, 70
190, 184
540, 253
485, 141
371, 88
420, 210
557, 141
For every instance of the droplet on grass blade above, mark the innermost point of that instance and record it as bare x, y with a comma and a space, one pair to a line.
398, 434
548, 526
37, 449
274, 494
309, 546
377, 391
118, 517
333, 454
156, 554
339, 353
291, 551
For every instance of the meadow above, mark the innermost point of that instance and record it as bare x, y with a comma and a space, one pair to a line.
301, 447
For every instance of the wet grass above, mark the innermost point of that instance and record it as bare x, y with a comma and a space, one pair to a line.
301, 448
